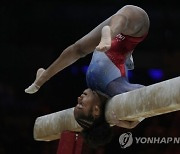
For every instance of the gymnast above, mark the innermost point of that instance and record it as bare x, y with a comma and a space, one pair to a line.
112, 43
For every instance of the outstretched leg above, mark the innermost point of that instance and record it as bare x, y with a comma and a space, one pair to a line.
34, 87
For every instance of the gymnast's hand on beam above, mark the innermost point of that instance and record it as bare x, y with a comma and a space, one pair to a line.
125, 123
34, 87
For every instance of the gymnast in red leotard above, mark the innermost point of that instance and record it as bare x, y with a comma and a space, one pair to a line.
107, 71
112, 43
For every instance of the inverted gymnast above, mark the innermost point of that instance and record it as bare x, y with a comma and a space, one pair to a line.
112, 43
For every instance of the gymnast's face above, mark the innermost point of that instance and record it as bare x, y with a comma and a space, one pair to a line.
88, 103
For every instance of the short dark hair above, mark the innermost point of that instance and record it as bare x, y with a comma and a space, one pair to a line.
96, 131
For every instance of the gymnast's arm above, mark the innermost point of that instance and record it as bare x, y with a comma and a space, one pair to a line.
127, 124
118, 86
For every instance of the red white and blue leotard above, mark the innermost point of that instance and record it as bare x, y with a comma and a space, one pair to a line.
107, 66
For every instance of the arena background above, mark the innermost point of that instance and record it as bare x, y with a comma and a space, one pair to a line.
34, 33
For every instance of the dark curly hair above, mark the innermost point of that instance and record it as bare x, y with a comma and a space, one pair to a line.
96, 131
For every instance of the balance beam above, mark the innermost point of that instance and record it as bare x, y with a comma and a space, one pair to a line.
153, 100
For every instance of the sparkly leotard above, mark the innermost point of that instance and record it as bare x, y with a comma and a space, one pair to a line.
108, 66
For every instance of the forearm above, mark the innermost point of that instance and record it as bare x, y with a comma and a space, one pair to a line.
68, 56
127, 124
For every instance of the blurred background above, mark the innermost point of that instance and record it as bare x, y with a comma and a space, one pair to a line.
34, 33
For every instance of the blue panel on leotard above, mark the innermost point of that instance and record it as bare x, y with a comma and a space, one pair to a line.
101, 71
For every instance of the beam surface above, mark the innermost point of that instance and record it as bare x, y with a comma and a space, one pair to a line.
153, 100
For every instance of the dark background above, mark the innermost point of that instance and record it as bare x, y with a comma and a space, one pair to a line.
34, 33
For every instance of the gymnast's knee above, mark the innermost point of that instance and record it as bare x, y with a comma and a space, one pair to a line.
78, 48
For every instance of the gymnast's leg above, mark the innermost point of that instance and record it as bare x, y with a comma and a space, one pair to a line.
117, 24
100, 37
129, 20
89, 42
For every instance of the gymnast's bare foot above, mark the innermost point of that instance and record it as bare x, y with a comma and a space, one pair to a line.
105, 43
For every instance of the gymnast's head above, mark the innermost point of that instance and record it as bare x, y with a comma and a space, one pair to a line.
90, 115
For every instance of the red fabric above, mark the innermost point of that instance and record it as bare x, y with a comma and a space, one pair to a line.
121, 46
70, 143
78, 145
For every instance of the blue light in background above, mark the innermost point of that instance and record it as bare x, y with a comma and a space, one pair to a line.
74, 70
156, 74
130, 74
84, 69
